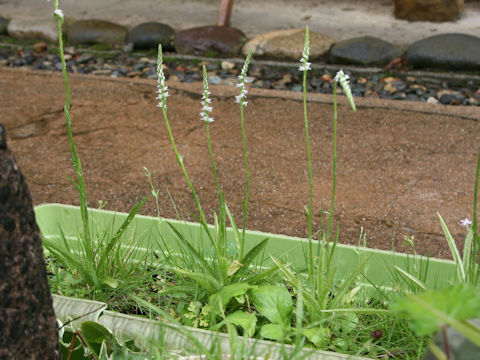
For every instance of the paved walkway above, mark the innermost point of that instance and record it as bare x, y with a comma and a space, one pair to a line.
340, 19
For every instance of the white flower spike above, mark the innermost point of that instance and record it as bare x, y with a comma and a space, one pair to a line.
466, 222
342, 78
206, 101
59, 13
240, 99
306, 53
162, 87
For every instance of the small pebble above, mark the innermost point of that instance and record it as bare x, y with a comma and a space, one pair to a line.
227, 65
432, 100
40, 47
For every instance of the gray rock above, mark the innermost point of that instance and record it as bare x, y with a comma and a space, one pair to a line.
448, 51
460, 347
365, 50
96, 32
149, 35
210, 40
3, 25
39, 29
288, 44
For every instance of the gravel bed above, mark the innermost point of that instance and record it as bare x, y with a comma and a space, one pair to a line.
393, 83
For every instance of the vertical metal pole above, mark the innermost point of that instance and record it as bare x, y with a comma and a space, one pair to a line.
224, 12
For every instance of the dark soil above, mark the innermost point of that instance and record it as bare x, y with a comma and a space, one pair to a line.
398, 163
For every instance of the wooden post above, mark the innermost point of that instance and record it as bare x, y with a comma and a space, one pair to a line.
224, 12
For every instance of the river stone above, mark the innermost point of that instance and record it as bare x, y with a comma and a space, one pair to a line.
365, 50
287, 44
96, 32
211, 40
448, 51
3, 25
428, 10
38, 29
148, 35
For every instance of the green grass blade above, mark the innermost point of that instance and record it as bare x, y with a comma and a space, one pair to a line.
206, 281
309, 301
251, 255
411, 278
193, 252
113, 241
453, 250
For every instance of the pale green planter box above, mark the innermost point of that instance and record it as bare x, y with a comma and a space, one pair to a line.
53, 217
147, 230
128, 327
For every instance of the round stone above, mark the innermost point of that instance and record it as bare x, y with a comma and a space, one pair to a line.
96, 32
39, 29
210, 40
149, 35
447, 51
365, 50
289, 44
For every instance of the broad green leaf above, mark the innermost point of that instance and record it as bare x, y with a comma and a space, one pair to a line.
347, 322
319, 336
110, 282
309, 300
274, 302
246, 321
234, 266
272, 332
94, 332
429, 310
220, 300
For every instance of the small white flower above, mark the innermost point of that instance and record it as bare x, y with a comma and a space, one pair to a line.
342, 78
59, 13
240, 99
162, 87
465, 222
306, 53
206, 101
305, 66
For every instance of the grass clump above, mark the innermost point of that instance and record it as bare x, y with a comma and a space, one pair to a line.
214, 281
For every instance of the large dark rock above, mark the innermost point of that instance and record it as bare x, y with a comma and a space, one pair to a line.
447, 51
28, 325
3, 25
365, 50
149, 35
96, 32
212, 40
428, 10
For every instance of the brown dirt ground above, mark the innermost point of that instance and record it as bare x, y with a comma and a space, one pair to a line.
398, 162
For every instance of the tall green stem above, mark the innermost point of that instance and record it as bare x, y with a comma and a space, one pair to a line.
247, 180
334, 181
80, 184
310, 184
179, 158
